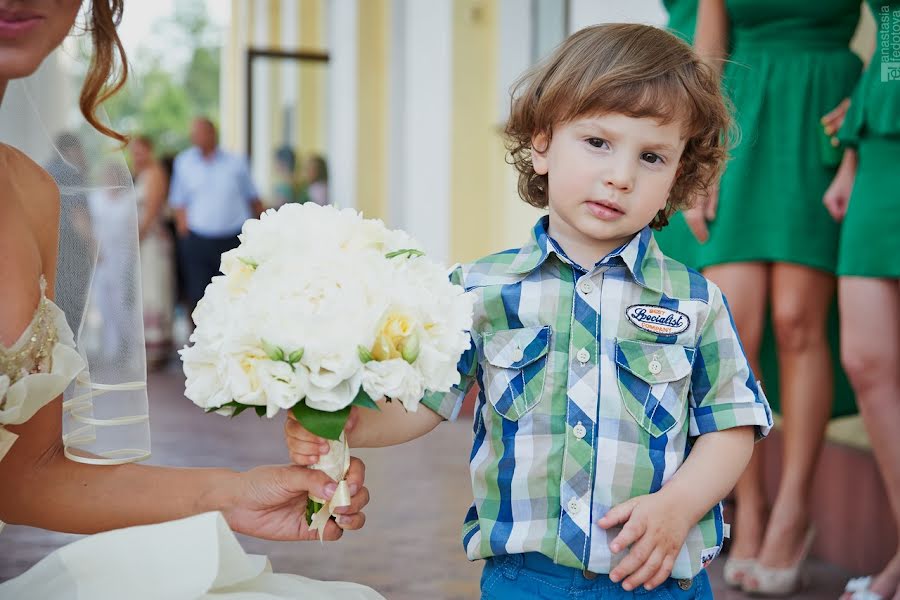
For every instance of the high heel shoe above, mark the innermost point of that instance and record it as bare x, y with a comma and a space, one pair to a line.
858, 588
736, 569
767, 581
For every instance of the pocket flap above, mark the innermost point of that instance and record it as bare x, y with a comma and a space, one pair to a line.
516, 348
654, 363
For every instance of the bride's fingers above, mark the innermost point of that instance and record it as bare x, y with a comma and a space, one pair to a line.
356, 474
333, 532
351, 522
357, 503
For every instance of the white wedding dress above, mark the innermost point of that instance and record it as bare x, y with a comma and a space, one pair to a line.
193, 558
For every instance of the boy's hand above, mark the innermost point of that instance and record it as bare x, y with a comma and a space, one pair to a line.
655, 531
304, 447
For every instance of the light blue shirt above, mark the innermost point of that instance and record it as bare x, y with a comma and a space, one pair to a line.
216, 191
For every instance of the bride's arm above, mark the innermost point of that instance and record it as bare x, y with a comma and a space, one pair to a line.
40, 487
45, 489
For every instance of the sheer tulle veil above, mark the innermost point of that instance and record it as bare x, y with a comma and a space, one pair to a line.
105, 411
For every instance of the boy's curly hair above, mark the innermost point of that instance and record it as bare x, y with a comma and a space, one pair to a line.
635, 70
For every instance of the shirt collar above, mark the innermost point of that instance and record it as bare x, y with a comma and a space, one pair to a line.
641, 255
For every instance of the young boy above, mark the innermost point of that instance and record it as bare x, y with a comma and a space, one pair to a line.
616, 407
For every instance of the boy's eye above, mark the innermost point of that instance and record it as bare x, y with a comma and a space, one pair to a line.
651, 158
596, 142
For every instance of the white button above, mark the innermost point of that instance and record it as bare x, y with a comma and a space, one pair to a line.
579, 431
583, 355
573, 506
655, 366
586, 286
517, 354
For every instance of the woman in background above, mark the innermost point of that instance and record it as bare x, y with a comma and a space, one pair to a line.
315, 175
770, 244
864, 197
157, 259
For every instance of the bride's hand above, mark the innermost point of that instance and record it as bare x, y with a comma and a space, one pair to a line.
270, 502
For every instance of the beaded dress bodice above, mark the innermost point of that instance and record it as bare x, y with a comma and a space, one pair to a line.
32, 352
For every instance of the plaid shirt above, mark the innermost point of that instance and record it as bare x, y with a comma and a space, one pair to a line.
580, 408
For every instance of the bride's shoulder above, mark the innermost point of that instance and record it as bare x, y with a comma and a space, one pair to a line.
21, 167
30, 185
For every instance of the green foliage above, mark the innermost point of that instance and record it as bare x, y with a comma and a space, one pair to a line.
161, 98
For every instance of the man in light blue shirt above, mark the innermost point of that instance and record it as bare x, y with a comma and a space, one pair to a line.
212, 194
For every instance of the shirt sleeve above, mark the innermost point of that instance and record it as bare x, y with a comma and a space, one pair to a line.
448, 404
245, 183
724, 391
177, 191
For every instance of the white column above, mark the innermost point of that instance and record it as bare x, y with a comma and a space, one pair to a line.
396, 209
422, 117
290, 80
514, 51
262, 102
343, 119
593, 12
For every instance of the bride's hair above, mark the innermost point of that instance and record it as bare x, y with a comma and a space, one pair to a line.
108, 69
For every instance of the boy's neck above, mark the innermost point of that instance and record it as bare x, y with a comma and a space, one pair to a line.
585, 251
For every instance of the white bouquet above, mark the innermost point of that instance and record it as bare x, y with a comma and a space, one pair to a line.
317, 310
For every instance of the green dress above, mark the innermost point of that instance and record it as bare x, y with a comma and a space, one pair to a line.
789, 64
870, 243
676, 238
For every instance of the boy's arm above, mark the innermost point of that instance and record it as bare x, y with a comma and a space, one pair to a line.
726, 411
656, 525
366, 428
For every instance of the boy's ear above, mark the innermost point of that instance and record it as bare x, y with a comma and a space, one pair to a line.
539, 146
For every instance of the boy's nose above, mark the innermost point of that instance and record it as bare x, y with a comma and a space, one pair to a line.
619, 176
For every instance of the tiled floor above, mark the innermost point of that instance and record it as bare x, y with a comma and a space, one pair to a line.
410, 546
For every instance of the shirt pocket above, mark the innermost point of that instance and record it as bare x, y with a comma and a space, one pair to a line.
515, 369
653, 379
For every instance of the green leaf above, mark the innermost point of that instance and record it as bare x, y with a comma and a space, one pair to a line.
272, 351
328, 425
364, 400
248, 261
260, 411
312, 507
295, 356
364, 354
409, 252
239, 408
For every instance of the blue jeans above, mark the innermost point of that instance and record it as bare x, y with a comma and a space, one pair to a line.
533, 575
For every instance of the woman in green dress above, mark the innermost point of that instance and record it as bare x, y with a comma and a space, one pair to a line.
771, 245
864, 197
676, 239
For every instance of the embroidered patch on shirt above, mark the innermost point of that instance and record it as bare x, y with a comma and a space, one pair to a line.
658, 320
708, 555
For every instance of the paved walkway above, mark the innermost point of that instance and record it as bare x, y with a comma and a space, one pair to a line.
410, 546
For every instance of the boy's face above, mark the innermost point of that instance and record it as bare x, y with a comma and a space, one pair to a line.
608, 176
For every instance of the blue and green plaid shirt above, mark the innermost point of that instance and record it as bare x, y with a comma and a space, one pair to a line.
593, 386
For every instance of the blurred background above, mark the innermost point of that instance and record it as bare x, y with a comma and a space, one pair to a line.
395, 108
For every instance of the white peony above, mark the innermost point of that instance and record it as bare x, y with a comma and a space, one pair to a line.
307, 295
395, 379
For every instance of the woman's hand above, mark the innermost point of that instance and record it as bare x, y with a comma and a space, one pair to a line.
833, 120
837, 196
701, 214
270, 502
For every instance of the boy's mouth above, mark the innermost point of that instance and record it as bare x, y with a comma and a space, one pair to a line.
605, 210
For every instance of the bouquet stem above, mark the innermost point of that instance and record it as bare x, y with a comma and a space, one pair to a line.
335, 464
